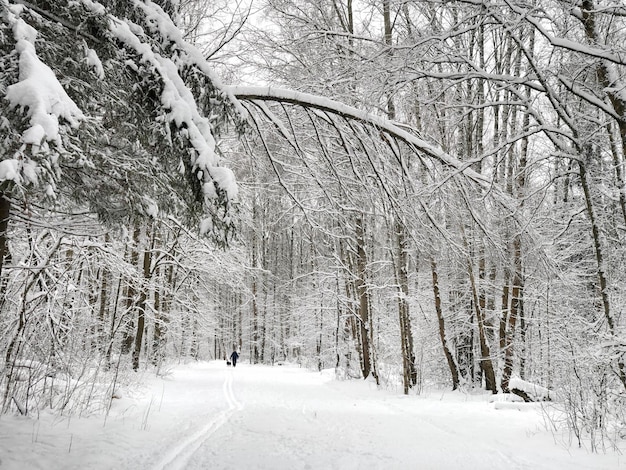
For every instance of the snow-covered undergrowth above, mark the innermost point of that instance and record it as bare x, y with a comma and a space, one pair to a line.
205, 415
87, 388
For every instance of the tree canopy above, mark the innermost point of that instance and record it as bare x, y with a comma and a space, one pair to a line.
106, 105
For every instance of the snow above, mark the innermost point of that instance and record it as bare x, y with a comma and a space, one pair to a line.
206, 225
162, 23
536, 391
150, 207
176, 96
207, 415
39, 94
18, 171
9, 170
92, 59
225, 178
39, 91
92, 6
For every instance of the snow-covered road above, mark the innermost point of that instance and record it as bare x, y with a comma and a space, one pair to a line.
288, 418
180, 454
208, 416
295, 421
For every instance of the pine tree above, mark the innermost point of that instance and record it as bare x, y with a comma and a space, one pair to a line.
108, 106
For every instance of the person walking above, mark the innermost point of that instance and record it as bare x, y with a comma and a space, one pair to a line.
233, 358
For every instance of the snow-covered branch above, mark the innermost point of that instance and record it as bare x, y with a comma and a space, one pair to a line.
376, 122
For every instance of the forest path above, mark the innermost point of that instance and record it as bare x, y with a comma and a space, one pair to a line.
178, 456
203, 415
287, 418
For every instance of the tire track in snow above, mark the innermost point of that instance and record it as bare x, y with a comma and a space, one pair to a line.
177, 457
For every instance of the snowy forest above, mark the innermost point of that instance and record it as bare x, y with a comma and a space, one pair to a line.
422, 193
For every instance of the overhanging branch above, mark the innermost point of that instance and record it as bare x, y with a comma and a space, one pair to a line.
326, 105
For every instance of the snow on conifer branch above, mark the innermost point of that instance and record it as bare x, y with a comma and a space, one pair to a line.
176, 97
182, 104
40, 95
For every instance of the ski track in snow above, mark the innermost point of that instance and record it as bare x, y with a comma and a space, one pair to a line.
178, 457
293, 419
287, 425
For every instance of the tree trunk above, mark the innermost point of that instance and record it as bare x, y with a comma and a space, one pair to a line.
254, 340
5, 209
409, 371
454, 370
162, 320
504, 317
363, 299
104, 300
514, 314
141, 303
485, 352
602, 278
127, 341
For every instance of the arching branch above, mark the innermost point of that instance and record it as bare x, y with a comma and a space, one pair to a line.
350, 113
